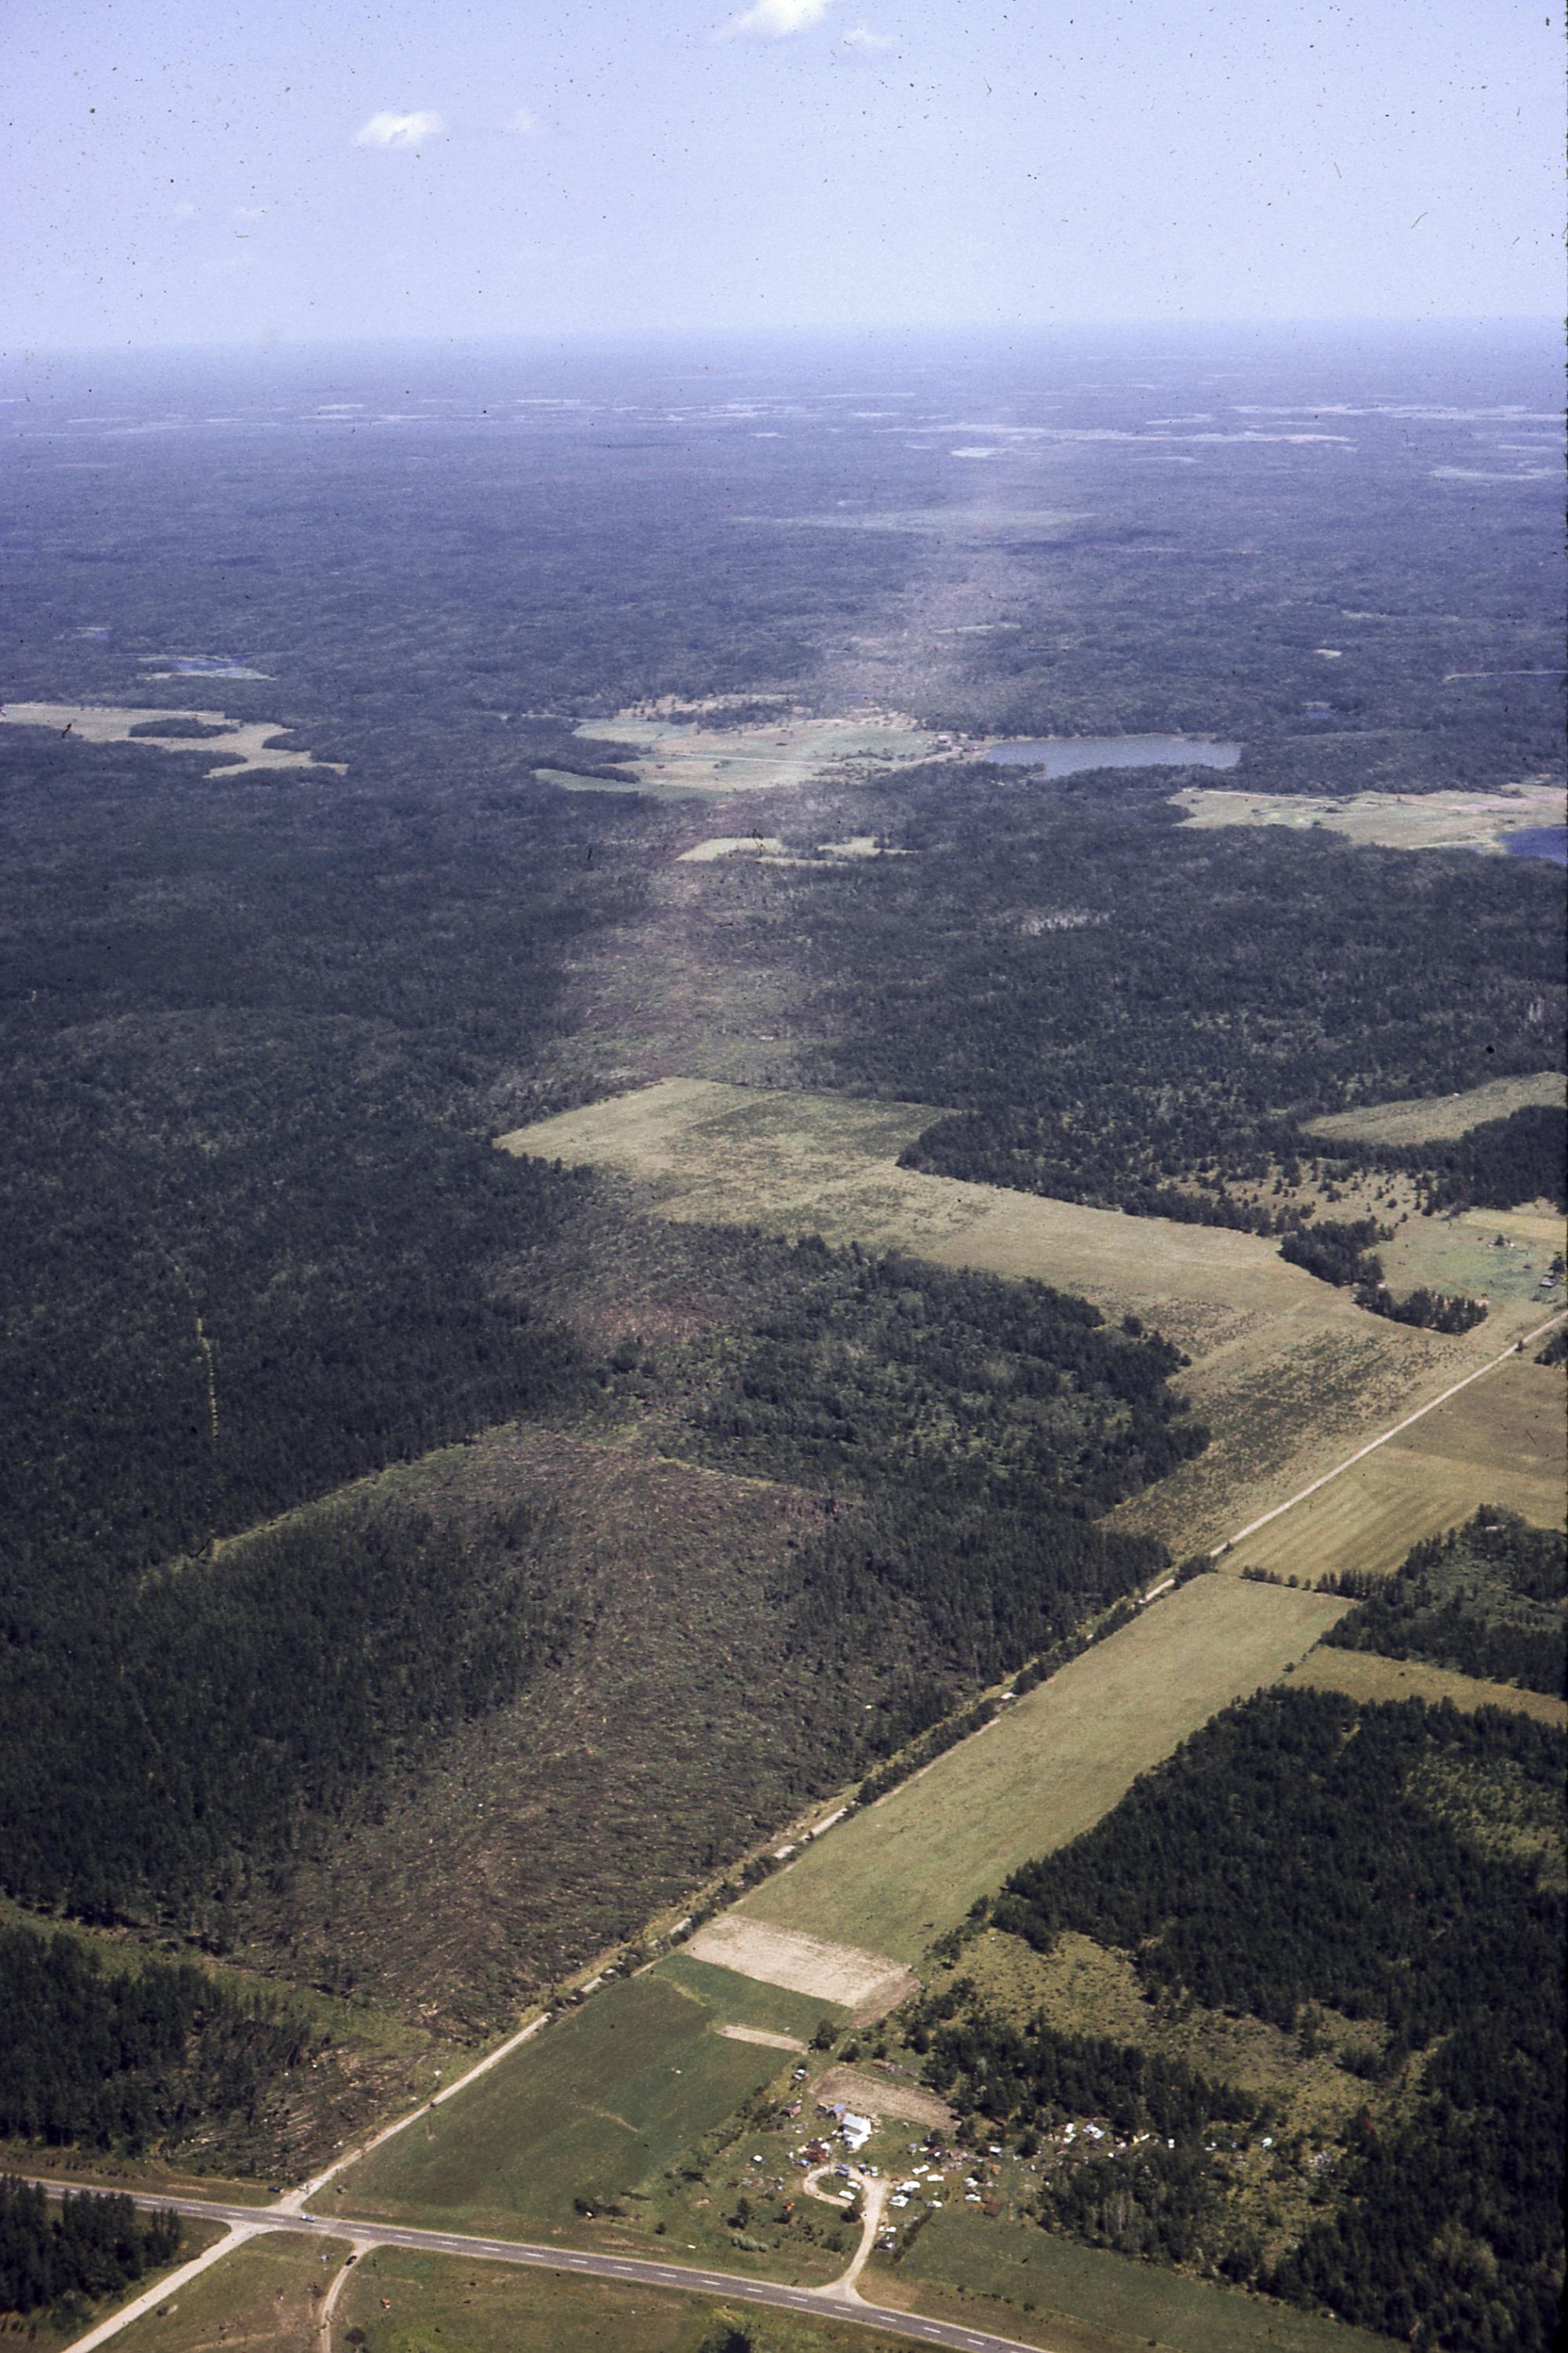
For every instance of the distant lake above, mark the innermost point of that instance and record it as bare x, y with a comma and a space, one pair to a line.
1063, 756
1539, 841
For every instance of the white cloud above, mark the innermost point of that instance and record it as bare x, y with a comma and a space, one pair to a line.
525, 124
773, 20
858, 38
398, 130
248, 212
186, 211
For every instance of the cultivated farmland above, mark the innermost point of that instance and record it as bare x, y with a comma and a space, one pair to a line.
909, 1867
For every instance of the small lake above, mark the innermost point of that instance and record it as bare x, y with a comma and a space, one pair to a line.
1064, 756
1539, 841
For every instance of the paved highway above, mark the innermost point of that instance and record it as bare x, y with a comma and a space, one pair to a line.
821, 2304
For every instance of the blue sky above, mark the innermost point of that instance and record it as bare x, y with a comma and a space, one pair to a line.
188, 171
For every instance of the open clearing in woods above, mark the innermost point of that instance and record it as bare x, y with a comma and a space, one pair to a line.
1366, 1674
244, 746
1288, 1375
675, 759
1386, 820
1055, 1761
1435, 1119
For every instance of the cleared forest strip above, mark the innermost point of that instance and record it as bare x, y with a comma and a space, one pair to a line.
1368, 1676
909, 1867
1434, 1119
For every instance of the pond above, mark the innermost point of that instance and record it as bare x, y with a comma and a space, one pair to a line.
1064, 756
1539, 841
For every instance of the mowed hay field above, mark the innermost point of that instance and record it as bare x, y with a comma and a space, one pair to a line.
1500, 1440
599, 2102
828, 1164
1434, 1119
1085, 2299
1288, 1375
898, 1874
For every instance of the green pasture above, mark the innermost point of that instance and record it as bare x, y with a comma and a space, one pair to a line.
591, 2107
1017, 2265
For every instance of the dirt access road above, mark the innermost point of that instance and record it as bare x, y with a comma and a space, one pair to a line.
1516, 1349
837, 2302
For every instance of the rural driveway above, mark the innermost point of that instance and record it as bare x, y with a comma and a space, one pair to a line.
820, 2303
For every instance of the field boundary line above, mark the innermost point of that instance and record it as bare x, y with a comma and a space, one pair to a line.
293, 2201
1515, 1348
151, 2298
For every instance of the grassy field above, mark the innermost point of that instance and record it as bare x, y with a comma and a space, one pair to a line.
1435, 1119
436, 2300
598, 2105
801, 1163
1502, 1441
1452, 820
677, 759
1026, 2283
898, 1874
1462, 1254
1288, 1374
1363, 1674
262, 2298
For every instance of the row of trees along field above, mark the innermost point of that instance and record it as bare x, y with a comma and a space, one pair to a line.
1123, 1011
135, 2056
1403, 1865
1488, 1598
91, 2246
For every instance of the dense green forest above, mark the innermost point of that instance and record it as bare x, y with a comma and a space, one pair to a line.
90, 2247
1488, 1598
1494, 1166
187, 1730
1110, 1003
131, 2058
1385, 1862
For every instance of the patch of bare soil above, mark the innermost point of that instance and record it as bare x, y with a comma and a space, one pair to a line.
885, 2095
866, 1984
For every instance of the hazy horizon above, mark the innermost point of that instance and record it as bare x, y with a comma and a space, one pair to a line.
819, 167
